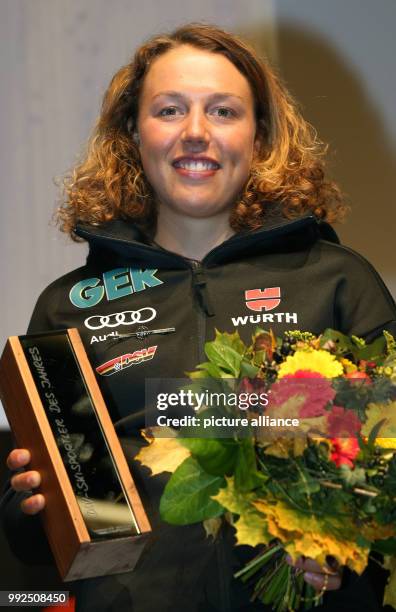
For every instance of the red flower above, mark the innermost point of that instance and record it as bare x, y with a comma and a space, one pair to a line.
344, 451
358, 375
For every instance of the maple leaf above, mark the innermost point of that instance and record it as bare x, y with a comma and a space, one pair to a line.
305, 535
251, 529
162, 454
250, 526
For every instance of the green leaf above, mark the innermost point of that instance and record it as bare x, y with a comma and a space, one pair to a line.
363, 542
385, 547
224, 357
342, 342
374, 432
246, 467
359, 342
248, 369
362, 444
232, 340
390, 342
369, 507
217, 457
258, 358
354, 345
197, 374
187, 495
373, 351
211, 369
352, 477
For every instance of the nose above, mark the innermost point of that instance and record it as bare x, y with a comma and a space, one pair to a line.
195, 134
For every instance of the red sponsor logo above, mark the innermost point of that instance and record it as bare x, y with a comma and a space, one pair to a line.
125, 361
263, 299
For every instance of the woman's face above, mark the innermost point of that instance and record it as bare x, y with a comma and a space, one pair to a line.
197, 131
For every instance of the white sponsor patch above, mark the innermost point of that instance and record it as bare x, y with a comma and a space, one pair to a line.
128, 317
276, 317
103, 337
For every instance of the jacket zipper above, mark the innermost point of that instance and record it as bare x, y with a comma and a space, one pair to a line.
205, 310
205, 307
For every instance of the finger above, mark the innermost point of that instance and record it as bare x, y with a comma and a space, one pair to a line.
19, 457
26, 481
321, 581
309, 565
34, 504
305, 563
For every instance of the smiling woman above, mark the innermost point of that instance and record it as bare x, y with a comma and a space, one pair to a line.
201, 84
202, 195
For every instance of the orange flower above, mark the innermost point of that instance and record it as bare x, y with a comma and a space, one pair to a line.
344, 451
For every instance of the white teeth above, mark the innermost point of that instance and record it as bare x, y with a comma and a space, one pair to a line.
196, 165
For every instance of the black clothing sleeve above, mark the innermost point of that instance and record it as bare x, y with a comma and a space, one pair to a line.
25, 533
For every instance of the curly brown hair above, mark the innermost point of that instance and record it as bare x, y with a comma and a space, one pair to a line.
109, 181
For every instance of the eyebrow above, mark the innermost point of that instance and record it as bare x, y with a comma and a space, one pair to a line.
214, 96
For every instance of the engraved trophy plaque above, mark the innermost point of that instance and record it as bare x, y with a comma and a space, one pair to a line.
94, 519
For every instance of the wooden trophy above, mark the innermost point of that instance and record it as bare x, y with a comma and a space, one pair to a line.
94, 519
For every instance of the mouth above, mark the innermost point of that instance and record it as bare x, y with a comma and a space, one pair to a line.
196, 167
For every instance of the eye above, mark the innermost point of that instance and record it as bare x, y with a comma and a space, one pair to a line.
224, 112
169, 111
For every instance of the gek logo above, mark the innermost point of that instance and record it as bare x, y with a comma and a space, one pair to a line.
113, 285
263, 299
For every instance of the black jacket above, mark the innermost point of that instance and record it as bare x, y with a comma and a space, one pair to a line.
130, 285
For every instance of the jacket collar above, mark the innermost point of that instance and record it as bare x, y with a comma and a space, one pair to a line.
278, 234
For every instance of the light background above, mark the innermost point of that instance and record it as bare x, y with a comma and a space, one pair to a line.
57, 57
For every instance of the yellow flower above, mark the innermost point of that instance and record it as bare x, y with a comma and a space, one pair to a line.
386, 442
319, 361
348, 365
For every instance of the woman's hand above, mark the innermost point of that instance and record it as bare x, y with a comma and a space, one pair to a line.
327, 578
25, 481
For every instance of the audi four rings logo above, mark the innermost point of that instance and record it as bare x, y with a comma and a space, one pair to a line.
128, 317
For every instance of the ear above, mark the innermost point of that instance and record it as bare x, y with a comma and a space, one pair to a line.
258, 140
258, 143
129, 125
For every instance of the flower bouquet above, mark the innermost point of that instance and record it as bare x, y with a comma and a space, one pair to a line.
325, 488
